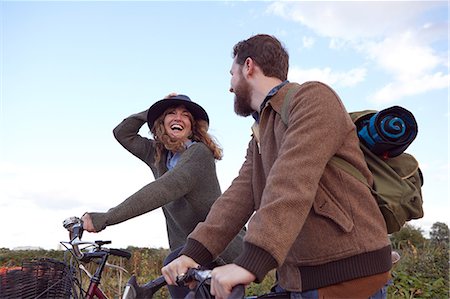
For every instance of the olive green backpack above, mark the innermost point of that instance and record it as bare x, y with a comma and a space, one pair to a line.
397, 180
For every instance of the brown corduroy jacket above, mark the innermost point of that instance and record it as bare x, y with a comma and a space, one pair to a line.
315, 223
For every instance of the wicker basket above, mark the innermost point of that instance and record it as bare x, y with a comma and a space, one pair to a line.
37, 278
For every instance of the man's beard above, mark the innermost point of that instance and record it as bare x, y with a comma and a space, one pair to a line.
242, 98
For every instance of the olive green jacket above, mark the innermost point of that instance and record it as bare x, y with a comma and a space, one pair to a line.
185, 193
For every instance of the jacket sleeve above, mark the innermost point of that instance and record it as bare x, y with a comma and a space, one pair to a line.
126, 133
174, 184
226, 218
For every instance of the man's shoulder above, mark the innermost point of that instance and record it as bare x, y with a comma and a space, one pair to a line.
297, 88
306, 91
310, 85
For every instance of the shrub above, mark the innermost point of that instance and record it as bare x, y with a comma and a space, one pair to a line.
421, 273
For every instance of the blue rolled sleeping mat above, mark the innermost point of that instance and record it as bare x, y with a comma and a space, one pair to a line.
388, 132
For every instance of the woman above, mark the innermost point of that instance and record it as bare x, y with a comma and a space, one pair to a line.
182, 158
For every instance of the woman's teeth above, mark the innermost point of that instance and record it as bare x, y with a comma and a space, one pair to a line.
176, 127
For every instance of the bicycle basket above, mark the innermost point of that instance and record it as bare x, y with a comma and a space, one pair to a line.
37, 278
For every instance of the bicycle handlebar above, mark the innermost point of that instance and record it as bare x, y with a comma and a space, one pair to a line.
119, 252
237, 292
202, 276
75, 227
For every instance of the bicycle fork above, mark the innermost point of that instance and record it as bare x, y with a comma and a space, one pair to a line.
94, 285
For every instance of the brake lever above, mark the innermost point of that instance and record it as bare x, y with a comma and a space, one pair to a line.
202, 275
194, 274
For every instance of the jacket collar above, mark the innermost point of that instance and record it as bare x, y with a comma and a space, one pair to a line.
271, 93
276, 101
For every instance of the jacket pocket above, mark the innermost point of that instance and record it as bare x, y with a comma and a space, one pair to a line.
327, 206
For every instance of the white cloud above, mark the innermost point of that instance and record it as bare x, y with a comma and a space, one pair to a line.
404, 56
390, 34
326, 75
337, 44
66, 188
45, 197
419, 85
352, 20
308, 42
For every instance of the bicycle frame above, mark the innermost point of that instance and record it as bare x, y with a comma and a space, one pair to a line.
94, 284
75, 227
95, 291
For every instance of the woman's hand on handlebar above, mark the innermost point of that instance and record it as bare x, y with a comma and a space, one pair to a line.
177, 267
87, 223
224, 278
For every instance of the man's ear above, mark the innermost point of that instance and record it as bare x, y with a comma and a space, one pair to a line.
249, 66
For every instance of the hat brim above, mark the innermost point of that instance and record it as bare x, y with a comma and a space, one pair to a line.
159, 107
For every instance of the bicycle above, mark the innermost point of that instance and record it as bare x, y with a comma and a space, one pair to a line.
92, 251
132, 290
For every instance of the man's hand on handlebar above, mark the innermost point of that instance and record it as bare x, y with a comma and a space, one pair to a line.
177, 267
225, 278
87, 223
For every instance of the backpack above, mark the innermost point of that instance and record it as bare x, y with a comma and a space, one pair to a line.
397, 180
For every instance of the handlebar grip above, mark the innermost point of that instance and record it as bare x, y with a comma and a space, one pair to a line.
238, 292
88, 256
156, 283
119, 252
149, 289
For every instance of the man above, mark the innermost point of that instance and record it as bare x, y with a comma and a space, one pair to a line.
317, 225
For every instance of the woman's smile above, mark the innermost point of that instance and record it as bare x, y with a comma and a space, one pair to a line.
178, 123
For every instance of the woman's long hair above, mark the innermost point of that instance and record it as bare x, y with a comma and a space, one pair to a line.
199, 134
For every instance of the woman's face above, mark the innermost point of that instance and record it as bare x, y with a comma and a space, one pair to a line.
177, 123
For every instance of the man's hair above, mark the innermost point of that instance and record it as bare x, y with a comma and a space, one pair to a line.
199, 134
268, 53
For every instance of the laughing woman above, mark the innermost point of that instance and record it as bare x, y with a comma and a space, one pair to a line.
182, 158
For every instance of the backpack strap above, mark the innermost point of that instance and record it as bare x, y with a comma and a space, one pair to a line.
350, 169
287, 100
336, 161
359, 115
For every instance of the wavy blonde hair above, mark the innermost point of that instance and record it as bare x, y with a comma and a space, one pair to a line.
199, 133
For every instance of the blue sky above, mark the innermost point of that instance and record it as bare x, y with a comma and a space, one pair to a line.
71, 71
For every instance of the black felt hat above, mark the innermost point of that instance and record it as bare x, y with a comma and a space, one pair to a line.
159, 107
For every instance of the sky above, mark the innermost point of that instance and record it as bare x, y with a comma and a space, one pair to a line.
71, 71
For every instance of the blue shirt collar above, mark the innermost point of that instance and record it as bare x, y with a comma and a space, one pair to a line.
172, 158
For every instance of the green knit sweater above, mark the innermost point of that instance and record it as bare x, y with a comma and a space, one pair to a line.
185, 193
